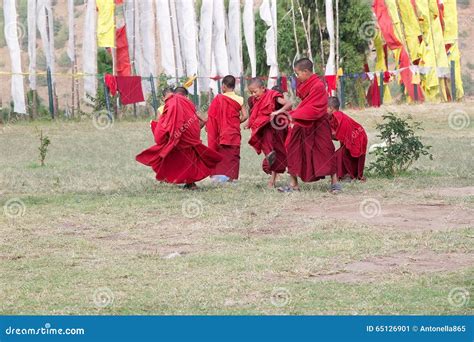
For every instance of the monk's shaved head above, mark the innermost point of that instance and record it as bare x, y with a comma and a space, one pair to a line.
181, 91
229, 82
167, 91
304, 64
257, 82
334, 103
256, 87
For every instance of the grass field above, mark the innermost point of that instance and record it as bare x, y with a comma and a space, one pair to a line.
92, 232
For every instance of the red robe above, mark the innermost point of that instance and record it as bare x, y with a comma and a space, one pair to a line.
224, 136
353, 139
269, 135
373, 94
179, 155
309, 146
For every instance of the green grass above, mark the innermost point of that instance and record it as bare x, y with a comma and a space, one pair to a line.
94, 219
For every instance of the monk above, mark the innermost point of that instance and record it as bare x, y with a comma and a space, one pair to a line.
184, 91
178, 156
309, 146
353, 139
269, 125
226, 114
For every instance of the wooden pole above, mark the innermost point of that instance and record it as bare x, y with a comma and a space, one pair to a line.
381, 87
34, 98
453, 81
73, 63
294, 28
134, 49
308, 40
174, 43
73, 83
153, 94
51, 91
320, 34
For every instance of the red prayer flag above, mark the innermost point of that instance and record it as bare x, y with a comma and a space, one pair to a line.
111, 83
331, 81
123, 58
130, 89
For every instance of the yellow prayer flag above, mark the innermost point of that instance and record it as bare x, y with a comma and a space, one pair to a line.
411, 28
106, 23
450, 22
380, 63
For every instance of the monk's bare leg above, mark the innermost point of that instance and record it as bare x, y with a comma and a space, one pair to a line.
335, 185
294, 182
273, 179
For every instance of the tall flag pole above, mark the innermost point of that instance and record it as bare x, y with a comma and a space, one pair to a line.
32, 28
249, 34
11, 37
89, 51
71, 52
205, 44
267, 13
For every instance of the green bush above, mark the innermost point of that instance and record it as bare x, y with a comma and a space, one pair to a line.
403, 146
64, 61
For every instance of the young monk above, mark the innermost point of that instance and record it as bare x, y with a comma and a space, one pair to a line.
353, 139
269, 125
167, 92
309, 146
178, 155
184, 91
226, 114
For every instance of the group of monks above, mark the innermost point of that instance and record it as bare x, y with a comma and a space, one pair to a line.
298, 141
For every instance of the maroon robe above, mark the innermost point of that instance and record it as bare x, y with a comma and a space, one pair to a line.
353, 139
269, 134
309, 146
224, 136
179, 155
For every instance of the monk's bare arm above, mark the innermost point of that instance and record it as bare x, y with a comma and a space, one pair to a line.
243, 115
202, 120
287, 105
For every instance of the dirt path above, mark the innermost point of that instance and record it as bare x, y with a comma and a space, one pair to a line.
422, 215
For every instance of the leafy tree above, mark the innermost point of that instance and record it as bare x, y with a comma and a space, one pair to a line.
353, 45
402, 147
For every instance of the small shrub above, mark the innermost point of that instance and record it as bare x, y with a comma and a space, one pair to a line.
43, 148
402, 146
